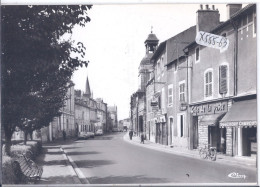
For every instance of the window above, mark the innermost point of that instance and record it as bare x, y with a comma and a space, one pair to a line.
208, 82
223, 88
197, 58
182, 91
170, 95
181, 125
254, 26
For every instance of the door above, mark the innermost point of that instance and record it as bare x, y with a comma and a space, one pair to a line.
195, 132
171, 130
164, 135
158, 133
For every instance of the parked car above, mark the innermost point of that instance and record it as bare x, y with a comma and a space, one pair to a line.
115, 129
99, 132
82, 135
90, 134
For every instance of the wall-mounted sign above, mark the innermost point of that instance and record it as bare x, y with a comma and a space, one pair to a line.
212, 40
154, 103
183, 106
210, 108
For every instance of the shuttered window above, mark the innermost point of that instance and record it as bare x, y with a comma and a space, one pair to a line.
208, 84
223, 79
170, 95
182, 92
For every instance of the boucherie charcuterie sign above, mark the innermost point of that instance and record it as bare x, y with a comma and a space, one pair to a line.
212, 40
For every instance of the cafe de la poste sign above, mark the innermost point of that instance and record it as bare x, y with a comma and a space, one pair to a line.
212, 40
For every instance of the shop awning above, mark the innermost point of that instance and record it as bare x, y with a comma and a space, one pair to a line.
241, 114
211, 120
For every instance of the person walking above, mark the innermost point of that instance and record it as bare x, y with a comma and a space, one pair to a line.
142, 138
130, 134
64, 135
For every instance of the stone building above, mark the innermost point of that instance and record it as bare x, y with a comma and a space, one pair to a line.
101, 115
223, 83
64, 122
177, 116
85, 110
138, 99
113, 121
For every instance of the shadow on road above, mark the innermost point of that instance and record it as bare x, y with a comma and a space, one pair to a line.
136, 179
82, 153
103, 138
93, 163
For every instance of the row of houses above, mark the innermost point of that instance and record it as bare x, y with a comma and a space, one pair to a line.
81, 113
191, 95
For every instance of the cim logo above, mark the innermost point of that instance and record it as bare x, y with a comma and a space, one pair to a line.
235, 175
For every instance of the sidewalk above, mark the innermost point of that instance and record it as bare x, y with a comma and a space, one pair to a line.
56, 167
247, 162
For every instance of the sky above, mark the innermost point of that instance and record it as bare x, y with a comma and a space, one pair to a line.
114, 41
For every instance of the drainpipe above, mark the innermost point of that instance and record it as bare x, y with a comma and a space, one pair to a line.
235, 54
235, 26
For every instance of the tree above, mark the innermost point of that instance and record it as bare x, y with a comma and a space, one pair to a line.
37, 63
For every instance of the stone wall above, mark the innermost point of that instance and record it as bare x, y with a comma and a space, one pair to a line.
203, 135
229, 141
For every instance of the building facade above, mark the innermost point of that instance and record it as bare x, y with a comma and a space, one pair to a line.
138, 99
198, 96
224, 82
65, 122
113, 120
85, 110
101, 115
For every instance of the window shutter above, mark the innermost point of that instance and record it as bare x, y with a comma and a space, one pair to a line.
223, 79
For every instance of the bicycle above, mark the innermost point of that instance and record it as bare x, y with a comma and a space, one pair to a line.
210, 153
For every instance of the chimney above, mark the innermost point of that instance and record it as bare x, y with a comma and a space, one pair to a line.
232, 9
207, 19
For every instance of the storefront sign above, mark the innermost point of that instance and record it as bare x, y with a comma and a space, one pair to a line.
239, 124
210, 108
212, 40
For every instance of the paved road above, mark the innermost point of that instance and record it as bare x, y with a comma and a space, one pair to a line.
109, 159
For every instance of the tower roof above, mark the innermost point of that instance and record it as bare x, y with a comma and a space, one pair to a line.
87, 91
151, 38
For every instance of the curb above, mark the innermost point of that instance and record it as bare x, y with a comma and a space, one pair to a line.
80, 177
161, 149
224, 162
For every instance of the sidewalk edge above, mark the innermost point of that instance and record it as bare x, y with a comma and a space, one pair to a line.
80, 176
226, 162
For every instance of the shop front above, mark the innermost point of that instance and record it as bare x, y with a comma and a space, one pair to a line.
161, 130
206, 128
241, 126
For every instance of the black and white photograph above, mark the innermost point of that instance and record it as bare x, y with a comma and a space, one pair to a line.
141, 93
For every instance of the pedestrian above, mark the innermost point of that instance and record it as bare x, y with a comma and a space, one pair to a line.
64, 135
130, 134
142, 138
